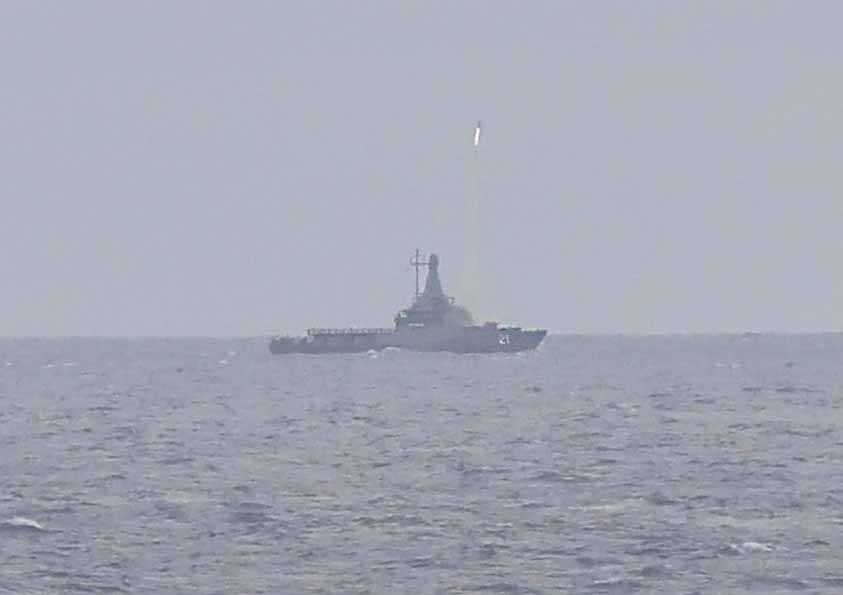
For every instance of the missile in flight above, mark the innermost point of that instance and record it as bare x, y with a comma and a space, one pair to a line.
477, 135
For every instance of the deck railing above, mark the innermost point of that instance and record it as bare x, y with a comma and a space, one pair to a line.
313, 332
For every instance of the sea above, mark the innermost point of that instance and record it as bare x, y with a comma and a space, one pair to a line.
596, 464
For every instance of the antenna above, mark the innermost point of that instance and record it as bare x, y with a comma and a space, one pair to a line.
417, 263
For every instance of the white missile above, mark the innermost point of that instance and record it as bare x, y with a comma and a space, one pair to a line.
477, 135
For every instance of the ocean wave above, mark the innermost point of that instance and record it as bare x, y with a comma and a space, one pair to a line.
748, 547
22, 524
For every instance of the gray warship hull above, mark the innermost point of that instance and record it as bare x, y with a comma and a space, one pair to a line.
467, 339
432, 323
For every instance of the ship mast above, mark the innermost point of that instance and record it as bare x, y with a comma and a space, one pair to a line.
417, 263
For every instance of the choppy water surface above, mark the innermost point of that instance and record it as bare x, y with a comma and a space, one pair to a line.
595, 465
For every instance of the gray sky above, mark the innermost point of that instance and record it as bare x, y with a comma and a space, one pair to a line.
195, 168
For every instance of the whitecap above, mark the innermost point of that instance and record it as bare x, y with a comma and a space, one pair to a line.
620, 505
749, 547
754, 546
23, 524
617, 583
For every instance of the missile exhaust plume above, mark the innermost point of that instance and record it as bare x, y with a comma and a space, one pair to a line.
471, 261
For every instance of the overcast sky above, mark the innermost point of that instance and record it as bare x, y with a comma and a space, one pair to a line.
246, 168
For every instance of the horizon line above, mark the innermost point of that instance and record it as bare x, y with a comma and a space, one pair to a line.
731, 333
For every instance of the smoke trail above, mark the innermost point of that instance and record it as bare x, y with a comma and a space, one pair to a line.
471, 260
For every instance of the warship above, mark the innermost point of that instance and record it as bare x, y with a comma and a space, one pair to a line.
433, 322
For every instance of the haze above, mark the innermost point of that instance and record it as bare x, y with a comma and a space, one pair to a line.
193, 168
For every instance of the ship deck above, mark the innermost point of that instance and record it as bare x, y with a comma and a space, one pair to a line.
321, 332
